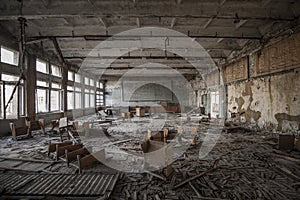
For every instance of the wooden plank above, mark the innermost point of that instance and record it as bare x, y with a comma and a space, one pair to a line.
90, 159
70, 156
52, 146
60, 151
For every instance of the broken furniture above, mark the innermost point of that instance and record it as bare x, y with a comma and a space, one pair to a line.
59, 148
34, 125
69, 129
25, 131
140, 111
18, 131
69, 152
158, 153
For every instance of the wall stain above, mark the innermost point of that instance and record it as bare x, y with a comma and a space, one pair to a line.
248, 113
280, 117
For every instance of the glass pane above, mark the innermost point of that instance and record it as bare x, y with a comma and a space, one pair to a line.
92, 100
77, 89
12, 109
92, 82
86, 80
87, 100
55, 70
71, 88
56, 85
9, 56
6, 77
70, 100
70, 76
41, 100
101, 85
42, 83
55, 102
41, 66
77, 78
77, 100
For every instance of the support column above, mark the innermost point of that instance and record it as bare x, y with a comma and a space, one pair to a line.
64, 84
30, 86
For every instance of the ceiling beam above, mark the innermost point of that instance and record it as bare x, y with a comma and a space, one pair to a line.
104, 37
58, 51
95, 15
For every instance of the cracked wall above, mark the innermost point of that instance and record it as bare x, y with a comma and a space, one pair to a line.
264, 89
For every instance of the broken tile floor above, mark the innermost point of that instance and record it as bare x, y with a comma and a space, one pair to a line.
248, 164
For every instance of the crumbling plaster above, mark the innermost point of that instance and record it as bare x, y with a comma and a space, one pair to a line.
271, 102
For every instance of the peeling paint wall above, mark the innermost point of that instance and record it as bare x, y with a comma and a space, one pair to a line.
271, 102
270, 96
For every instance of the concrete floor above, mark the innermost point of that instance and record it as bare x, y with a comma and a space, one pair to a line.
249, 164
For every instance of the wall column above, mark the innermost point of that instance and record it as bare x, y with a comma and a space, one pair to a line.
30, 86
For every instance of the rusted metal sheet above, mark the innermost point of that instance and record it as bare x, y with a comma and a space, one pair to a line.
58, 184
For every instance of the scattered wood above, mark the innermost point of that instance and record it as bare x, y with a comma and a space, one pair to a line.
198, 175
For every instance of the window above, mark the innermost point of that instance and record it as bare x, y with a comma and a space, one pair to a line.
92, 98
6, 77
77, 78
86, 81
55, 70
78, 103
41, 66
56, 85
55, 100
70, 76
101, 85
55, 97
42, 83
42, 105
86, 98
9, 56
92, 82
16, 105
70, 100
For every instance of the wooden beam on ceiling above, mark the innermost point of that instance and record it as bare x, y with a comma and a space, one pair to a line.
58, 50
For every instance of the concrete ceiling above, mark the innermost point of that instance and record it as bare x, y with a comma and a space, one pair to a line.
222, 27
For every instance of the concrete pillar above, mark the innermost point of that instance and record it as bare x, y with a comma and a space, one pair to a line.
64, 84
30, 86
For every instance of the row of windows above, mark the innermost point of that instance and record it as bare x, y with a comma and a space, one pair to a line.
82, 91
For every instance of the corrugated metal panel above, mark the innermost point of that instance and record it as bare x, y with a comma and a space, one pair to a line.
58, 184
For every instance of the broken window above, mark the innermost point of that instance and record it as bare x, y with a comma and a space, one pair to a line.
16, 106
